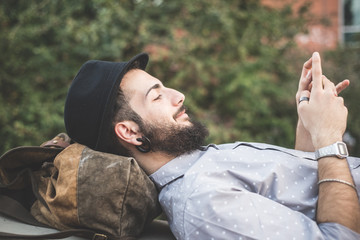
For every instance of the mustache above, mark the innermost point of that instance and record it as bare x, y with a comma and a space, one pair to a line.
182, 108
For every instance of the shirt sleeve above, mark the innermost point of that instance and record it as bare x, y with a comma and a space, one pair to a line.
238, 214
337, 231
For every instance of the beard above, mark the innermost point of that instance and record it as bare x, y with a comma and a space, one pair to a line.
175, 140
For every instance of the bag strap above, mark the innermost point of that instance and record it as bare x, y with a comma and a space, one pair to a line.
10, 207
62, 140
58, 235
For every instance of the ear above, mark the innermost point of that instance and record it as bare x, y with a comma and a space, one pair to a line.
128, 131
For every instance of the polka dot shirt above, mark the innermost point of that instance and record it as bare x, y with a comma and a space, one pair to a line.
245, 191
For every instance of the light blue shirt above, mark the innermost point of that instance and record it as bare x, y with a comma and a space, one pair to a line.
246, 191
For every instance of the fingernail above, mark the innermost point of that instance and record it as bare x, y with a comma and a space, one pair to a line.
308, 74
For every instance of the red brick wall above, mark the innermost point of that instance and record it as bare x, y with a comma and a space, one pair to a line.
319, 37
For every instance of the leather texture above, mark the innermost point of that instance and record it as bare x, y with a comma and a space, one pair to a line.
95, 190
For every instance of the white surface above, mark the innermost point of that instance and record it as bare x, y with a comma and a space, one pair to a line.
157, 230
12, 226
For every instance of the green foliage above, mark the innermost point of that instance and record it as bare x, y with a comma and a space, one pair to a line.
344, 63
43, 44
232, 59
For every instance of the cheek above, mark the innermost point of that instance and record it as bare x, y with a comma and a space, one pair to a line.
154, 114
156, 111
160, 116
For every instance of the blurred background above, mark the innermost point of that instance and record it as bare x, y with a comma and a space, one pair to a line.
237, 61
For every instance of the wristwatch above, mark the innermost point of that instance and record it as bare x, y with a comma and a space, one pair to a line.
337, 149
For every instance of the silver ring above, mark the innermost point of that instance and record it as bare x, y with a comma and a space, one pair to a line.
304, 99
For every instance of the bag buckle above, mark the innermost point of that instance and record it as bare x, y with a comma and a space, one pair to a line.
99, 236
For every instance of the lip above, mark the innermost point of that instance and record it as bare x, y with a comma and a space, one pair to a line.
180, 113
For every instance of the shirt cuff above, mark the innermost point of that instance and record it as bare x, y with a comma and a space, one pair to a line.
337, 231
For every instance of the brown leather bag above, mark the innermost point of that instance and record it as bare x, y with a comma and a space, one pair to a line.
83, 188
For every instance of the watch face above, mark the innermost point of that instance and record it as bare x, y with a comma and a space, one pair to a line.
342, 149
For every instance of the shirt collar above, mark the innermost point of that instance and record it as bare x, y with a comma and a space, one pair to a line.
175, 168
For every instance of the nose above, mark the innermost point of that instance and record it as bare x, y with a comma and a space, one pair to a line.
177, 98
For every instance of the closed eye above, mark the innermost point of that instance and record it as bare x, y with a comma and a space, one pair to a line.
158, 97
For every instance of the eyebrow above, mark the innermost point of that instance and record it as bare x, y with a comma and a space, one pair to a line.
153, 87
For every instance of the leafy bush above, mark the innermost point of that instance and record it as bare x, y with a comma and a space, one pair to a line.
234, 60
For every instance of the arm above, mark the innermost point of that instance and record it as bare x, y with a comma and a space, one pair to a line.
231, 213
324, 117
303, 139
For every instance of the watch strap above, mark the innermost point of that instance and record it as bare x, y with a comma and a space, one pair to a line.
337, 149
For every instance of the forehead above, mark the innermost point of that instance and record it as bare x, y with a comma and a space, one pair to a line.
136, 83
134, 77
137, 80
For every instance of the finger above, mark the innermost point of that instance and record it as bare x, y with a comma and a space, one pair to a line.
316, 71
328, 85
305, 78
304, 96
305, 82
307, 66
342, 85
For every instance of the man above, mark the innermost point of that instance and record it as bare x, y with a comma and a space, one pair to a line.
230, 191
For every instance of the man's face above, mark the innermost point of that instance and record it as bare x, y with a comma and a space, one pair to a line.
165, 121
152, 100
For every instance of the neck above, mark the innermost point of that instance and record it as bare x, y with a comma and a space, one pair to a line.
152, 161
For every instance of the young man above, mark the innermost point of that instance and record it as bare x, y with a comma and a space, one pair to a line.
230, 191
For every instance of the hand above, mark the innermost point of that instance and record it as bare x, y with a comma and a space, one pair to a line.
324, 115
303, 139
305, 83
